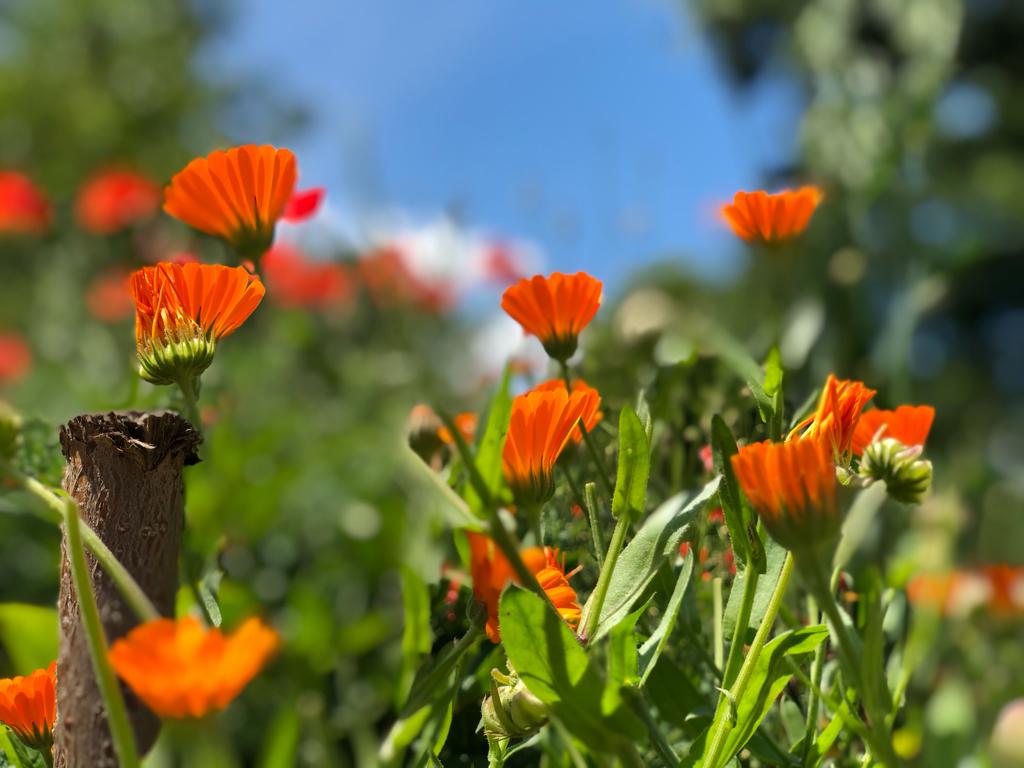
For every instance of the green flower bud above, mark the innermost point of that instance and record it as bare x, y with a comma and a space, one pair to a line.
511, 711
907, 477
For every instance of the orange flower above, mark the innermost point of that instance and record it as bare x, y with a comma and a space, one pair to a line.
15, 357
761, 217
492, 572
835, 420
554, 309
1000, 588
23, 208
792, 487
28, 706
238, 195
592, 419
109, 297
909, 424
465, 423
182, 310
179, 669
115, 199
539, 428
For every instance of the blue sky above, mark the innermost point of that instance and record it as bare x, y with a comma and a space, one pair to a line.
603, 132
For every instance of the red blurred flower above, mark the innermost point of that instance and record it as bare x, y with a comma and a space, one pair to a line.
24, 210
295, 281
303, 204
707, 459
114, 199
108, 297
389, 282
15, 357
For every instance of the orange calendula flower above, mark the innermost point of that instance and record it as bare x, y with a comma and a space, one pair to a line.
554, 309
182, 310
238, 195
908, 424
539, 428
115, 199
592, 419
466, 424
792, 487
24, 210
28, 706
761, 217
492, 572
836, 417
182, 670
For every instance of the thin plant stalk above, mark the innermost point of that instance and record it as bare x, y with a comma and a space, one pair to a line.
717, 619
604, 579
110, 691
190, 395
817, 668
590, 497
739, 634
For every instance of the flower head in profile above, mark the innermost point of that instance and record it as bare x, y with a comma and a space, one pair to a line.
182, 670
15, 357
835, 419
24, 209
592, 419
771, 218
114, 199
890, 444
908, 424
554, 309
28, 706
792, 487
183, 310
540, 426
238, 195
492, 572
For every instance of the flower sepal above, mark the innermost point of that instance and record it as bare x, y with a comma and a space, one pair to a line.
181, 356
906, 475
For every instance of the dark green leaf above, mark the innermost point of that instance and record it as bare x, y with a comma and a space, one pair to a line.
652, 647
29, 635
738, 515
634, 467
858, 522
776, 556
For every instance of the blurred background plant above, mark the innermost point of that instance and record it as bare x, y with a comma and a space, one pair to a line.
909, 278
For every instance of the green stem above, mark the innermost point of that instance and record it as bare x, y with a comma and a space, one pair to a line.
739, 634
601, 590
723, 724
717, 626
817, 669
433, 678
602, 474
841, 709
590, 496
190, 394
54, 507
110, 691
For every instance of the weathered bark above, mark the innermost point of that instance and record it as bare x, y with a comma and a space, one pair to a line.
125, 472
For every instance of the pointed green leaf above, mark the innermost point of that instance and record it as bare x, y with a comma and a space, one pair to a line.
492, 441
634, 467
651, 649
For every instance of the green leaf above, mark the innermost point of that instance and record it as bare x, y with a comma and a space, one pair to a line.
651, 649
773, 372
428, 488
858, 522
207, 587
775, 557
767, 680
643, 411
14, 753
622, 655
738, 515
673, 692
657, 539
551, 662
281, 746
29, 635
488, 456
416, 634
634, 467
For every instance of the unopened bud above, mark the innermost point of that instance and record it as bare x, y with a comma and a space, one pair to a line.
10, 429
906, 475
422, 428
511, 711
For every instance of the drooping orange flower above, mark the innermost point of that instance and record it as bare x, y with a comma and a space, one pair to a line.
539, 428
836, 417
24, 210
182, 310
466, 424
182, 670
909, 424
28, 706
771, 218
492, 572
554, 309
114, 199
238, 195
792, 487
592, 419
294, 280
15, 357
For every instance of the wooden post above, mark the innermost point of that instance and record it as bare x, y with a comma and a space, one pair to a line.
125, 472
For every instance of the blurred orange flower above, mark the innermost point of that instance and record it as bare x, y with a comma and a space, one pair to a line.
909, 424
554, 309
1000, 588
179, 669
182, 310
592, 419
792, 487
836, 417
492, 572
466, 424
28, 706
15, 357
115, 199
24, 210
389, 282
109, 297
238, 195
539, 428
761, 217
295, 281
